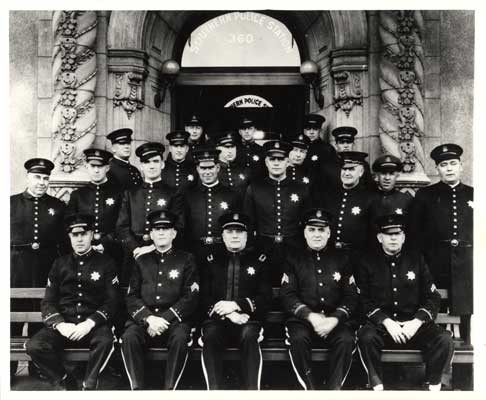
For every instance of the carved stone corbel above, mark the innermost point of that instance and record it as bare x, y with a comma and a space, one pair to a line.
129, 92
347, 91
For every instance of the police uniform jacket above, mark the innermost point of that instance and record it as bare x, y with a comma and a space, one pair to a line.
318, 153
398, 287
352, 224
234, 176
318, 281
202, 206
441, 222
124, 173
252, 156
275, 207
165, 285
299, 173
194, 145
132, 225
81, 287
179, 174
36, 237
241, 277
391, 202
104, 202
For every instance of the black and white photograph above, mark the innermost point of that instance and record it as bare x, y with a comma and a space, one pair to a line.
277, 197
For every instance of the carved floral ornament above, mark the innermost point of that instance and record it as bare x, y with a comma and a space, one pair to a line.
347, 91
129, 92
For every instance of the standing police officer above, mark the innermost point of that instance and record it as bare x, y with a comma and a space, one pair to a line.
36, 235
319, 292
389, 200
204, 203
232, 173
161, 300
249, 153
121, 171
275, 206
194, 126
441, 221
80, 300
235, 295
179, 171
297, 170
400, 301
132, 226
319, 151
101, 198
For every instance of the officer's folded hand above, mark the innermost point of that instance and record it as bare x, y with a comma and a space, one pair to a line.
142, 250
411, 327
327, 325
237, 318
151, 332
82, 329
316, 320
395, 331
65, 329
157, 324
99, 248
224, 307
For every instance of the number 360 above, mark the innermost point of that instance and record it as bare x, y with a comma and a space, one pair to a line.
240, 38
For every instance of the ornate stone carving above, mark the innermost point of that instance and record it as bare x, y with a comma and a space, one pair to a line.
63, 189
347, 91
401, 83
74, 77
129, 92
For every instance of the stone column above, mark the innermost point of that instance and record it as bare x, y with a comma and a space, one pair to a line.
401, 80
74, 111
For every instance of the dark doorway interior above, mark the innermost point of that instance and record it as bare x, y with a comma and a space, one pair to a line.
209, 102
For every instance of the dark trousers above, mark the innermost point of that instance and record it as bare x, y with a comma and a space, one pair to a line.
300, 337
435, 343
218, 334
46, 348
135, 341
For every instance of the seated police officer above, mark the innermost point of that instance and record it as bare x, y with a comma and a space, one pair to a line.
80, 300
400, 302
235, 295
319, 291
161, 299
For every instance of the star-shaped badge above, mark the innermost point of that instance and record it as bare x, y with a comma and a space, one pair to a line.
161, 202
250, 270
256, 158
314, 157
336, 276
411, 275
190, 177
305, 179
173, 274
356, 210
399, 211
110, 201
285, 278
470, 203
195, 287
224, 205
95, 276
294, 197
242, 177
51, 211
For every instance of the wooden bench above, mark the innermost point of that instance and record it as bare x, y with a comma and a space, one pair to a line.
273, 349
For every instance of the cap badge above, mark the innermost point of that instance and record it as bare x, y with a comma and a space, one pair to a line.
444, 149
41, 162
206, 154
236, 217
162, 214
97, 153
277, 145
318, 214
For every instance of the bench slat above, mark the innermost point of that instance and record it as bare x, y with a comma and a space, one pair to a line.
27, 293
25, 316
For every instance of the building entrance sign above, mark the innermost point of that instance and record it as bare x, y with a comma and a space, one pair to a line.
248, 101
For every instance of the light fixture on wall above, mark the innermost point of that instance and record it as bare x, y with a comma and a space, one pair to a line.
310, 73
168, 73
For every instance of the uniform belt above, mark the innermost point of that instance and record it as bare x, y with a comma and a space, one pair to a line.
208, 240
342, 246
33, 246
456, 243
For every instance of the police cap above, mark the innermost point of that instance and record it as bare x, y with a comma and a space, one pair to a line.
234, 220
148, 150
193, 120
277, 148
79, 222
313, 121
387, 163
97, 156
246, 122
178, 138
205, 153
317, 217
227, 139
120, 136
390, 223
352, 157
39, 166
446, 152
301, 141
161, 219
344, 134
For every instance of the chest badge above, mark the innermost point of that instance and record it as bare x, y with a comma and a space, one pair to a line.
470, 203
315, 157
336, 276
305, 180
250, 270
411, 275
256, 158
51, 211
110, 201
294, 197
173, 274
399, 211
224, 205
161, 202
242, 177
95, 276
195, 287
356, 210
190, 177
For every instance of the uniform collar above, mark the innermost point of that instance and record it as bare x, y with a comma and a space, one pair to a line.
99, 184
205, 187
125, 162
166, 252
171, 161
449, 188
29, 196
391, 258
83, 256
282, 182
153, 183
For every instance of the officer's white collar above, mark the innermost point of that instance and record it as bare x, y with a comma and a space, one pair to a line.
33, 195
211, 185
100, 183
121, 159
83, 254
165, 251
284, 176
453, 186
155, 181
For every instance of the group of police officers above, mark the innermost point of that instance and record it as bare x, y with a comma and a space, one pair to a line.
201, 237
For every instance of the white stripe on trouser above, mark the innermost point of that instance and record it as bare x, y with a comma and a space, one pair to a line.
189, 344
125, 365
301, 381
105, 363
205, 372
350, 363
364, 365
260, 368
